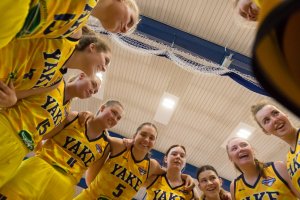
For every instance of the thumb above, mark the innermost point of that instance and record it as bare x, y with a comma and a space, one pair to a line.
11, 85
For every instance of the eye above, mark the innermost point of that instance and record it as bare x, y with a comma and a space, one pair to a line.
203, 181
266, 121
107, 61
233, 148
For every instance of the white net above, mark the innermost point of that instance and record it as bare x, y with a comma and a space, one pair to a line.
179, 56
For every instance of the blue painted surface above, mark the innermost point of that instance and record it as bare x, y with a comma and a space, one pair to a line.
200, 47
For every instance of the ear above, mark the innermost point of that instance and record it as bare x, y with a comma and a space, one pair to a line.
102, 108
92, 47
221, 181
165, 160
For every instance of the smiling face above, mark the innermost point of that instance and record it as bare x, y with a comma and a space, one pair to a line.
209, 183
95, 61
87, 86
109, 116
176, 158
145, 138
240, 152
248, 9
274, 122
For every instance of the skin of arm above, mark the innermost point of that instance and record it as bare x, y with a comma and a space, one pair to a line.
94, 169
115, 146
232, 190
196, 194
281, 169
58, 128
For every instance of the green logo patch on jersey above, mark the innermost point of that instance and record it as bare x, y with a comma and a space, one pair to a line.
27, 139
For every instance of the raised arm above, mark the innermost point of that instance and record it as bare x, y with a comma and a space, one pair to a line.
71, 116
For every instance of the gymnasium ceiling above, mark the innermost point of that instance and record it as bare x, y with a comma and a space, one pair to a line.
210, 106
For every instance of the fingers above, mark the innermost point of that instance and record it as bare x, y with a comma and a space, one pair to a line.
11, 85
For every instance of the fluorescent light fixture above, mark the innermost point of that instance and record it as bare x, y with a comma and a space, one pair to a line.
166, 108
242, 130
243, 133
168, 103
100, 75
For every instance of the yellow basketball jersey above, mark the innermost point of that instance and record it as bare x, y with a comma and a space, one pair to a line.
72, 151
35, 63
120, 178
272, 187
56, 19
33, 117
293, 164
160, 188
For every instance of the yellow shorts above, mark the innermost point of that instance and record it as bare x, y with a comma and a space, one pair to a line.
13, 14
37, 179
12, 151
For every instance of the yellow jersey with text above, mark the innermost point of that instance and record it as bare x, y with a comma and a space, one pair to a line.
293, 163
160, 188
272, 187
72, 151
33, 117
56, 19
119, 178
35, 63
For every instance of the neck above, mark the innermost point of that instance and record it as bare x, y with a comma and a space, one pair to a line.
94, 128
75, 61
174, 176
213, 197
70, 92
250, 172
291, 138
138, 155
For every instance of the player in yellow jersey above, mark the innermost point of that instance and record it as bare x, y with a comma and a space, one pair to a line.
211, 184
63, 158
126, 170
274, 122
258, 180
59, 19
42, 62
23, 125
14, 19
170, 185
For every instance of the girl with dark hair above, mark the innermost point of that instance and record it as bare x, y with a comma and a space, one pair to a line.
211, 184
170, 185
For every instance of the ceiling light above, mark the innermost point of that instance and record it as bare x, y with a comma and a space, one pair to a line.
242, 130
166, 108
168, 103
243, 133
